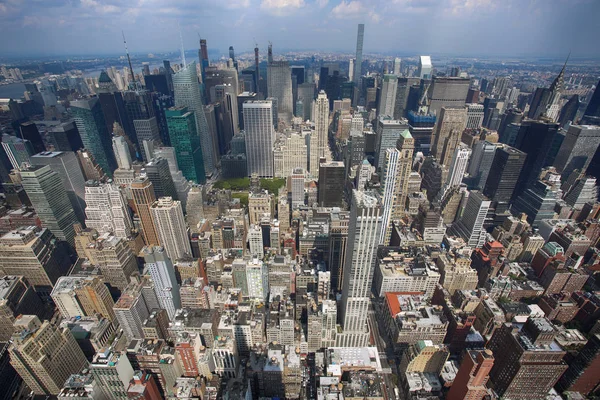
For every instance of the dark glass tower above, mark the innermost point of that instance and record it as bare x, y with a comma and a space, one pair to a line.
29, 131
502, 179
592, 112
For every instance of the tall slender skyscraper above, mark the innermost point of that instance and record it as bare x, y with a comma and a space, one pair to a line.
447, 133
279, 86
89, 119
143, 198
387, 99
359, 50
260, 137
49, 199
321, 117
504, 174
363, 238
167, 215
187, 94
470, 226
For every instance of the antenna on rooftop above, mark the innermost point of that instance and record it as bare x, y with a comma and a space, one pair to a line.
128, 58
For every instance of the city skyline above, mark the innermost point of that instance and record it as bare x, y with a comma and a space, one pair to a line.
467, 27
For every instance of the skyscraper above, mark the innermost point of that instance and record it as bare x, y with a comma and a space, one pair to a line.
89, 119
472, 376
113, 106
577, 149
321, 116
107, 209
481, 162
457, 169
363, 237
44, 355
592, 112
160, 267
143, 197
17, 150
470, 225
67, 166
279, 86
260, 137
187, 94
504, 174
388, 133
50, 200
29, 131
185, 140
425, 67
331, 184
447, 133
447, 92
167, 215
359, 50
157, 170
387, 98
121, 151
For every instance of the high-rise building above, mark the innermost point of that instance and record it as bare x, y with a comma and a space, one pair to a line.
187, 94
160, 268
279, 86
29, 131
470, 225
359, 53
472, 376
158, 172
35, 255
481, 162
167, 215
50, 200
112, 371
524, 354
68, 169
64, 137
17, 150
83, 296
388, 133
260, 137
133, 307
321, 116
143, 197
107, 210
182, 185
89, 118
474, 116
17, 297
457, 169
331, 184
44, 355
448, 92
591, 115
447, 133
581, 376
113, 106
296, 187
290, 152
363, 238
577, 149
387, 98
425, 67
503, 176
122, 153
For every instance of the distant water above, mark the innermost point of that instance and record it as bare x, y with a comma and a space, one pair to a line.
13, 90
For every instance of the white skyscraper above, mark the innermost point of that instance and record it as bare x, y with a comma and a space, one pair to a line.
388, 189
182, 185
107, 209
290, 152
297, 187
187, 94
321, 117
359, 50
474, 116
387, 100
121, 150
257, 278
260, 137
363, 239
460, 160
279, 86
171, 228
470, 226
351, 70
160, 268
425, 67
397, 66
255, 241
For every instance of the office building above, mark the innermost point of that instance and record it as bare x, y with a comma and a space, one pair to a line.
160, 268
64, 137
521, 355
260, 137
387, 97
296, 187
447, 92
89, 118
134, 307
363, 238
44, 355
112, 371
77, 296
404, 272
577, 149
17, 150
503, 177
458, 167
48, 196
29, 131
142, 191
470, 225
187, 94
17, 297
290, 152
581, 375
68, 169
472, 376
447, 132
425, 68
321, 116
107, 210
331, 184
184, 138
279, 86
169, 222
474, 116
158, 172
481, 162
388, 133
592, 112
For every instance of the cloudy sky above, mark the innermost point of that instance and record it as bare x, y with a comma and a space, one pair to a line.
454, 27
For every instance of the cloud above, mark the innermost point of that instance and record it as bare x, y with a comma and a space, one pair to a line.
351, 9
281, 7
100, 8
462, 6
322, 3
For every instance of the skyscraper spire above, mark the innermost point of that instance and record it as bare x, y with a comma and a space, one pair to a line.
559, 81
182, 49
128, 58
